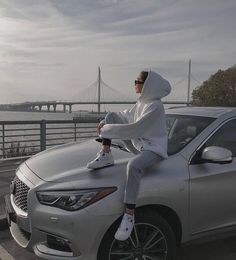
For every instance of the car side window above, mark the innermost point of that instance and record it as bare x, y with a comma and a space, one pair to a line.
225, 137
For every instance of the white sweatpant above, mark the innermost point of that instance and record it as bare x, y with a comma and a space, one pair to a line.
136, 166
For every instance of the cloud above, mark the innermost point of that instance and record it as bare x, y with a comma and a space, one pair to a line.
55, 46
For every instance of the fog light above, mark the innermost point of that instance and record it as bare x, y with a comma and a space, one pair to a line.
58, 243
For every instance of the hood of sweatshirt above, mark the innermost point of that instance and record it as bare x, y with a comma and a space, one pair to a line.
154, 88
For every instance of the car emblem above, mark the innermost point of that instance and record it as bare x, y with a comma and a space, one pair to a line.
13, 188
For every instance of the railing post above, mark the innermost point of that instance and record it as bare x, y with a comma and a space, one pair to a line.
43, 135
3, 141
75, 138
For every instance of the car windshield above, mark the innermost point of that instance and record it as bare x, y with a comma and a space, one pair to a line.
182, 129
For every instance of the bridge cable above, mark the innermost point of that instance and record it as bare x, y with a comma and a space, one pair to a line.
193, 77
117, 92
179, 82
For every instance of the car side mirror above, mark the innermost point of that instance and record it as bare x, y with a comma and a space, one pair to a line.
216, 154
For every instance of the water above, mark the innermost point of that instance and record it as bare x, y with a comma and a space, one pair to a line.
11, 143
21, 116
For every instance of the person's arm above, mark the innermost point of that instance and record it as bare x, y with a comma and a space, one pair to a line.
132, 130
126, 116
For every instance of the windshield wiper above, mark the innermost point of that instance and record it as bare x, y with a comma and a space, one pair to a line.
119, 146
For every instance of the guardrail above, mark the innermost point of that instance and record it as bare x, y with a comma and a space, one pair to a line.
25, 138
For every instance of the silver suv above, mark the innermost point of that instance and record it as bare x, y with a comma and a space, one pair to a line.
61, 210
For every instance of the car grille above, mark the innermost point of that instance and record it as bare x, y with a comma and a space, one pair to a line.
20, 197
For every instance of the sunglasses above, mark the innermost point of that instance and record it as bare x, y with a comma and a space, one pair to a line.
136, 82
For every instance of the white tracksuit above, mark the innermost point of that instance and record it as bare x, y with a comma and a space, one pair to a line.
145, 125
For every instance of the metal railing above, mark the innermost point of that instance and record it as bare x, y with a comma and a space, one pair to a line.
25, 138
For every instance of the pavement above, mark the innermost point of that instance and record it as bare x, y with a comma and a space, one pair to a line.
221, 248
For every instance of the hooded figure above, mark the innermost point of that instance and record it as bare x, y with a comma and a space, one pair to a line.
143, 130
144, 124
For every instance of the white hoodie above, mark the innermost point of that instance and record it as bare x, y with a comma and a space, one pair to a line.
146, 123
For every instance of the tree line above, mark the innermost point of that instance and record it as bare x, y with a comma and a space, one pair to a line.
218, 90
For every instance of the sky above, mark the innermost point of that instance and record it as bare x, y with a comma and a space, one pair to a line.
51, 49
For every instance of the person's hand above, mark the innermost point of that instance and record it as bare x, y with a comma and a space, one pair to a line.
100, 125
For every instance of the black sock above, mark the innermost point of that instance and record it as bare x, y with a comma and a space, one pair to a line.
130, 206
106, 141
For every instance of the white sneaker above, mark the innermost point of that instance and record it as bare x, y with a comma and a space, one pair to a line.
102, 160
125, 229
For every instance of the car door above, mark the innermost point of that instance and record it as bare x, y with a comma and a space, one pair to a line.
213, 185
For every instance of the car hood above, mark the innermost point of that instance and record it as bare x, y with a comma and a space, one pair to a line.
59, 163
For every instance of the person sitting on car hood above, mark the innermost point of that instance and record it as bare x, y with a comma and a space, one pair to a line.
143, 129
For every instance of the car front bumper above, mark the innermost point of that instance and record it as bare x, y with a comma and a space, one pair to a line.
53, 233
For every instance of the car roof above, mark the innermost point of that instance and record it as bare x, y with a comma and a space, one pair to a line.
201, 111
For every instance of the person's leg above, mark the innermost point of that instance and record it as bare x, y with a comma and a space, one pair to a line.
110, 118
135, 170
104, 156
114, 118
106, 145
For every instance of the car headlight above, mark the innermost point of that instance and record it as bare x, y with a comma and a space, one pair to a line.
73, 200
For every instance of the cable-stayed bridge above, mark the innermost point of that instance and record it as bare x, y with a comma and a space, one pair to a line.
98, 93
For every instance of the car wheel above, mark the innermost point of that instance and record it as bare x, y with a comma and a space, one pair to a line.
152, 239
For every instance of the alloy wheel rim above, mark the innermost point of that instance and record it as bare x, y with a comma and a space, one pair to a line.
146, 242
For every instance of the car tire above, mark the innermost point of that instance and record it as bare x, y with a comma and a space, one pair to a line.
155, 238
